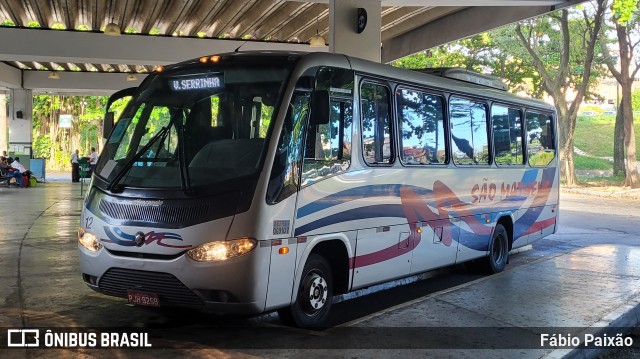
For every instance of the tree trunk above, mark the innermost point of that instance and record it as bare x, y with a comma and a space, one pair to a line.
562, 136
626, 80
53, 133
568, 167
100, 139
618, 143
631, 165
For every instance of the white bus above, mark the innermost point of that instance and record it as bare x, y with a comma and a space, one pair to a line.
261, 181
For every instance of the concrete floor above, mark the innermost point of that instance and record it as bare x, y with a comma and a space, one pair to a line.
582, 279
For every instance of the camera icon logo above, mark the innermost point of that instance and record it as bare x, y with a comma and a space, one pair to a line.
23, 338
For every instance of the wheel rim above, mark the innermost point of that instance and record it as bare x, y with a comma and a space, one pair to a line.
499, 250
314, 292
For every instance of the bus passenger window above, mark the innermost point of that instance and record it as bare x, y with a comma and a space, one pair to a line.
469, 132
421, 117
540, 140
376, 130
507, 135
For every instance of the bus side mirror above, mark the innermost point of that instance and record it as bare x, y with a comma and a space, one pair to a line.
107, 124
319, 107
108, 121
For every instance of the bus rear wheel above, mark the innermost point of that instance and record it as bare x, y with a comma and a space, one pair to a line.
498, 251
315, 295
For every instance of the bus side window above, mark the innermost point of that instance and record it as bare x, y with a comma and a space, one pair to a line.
469, 132
283, 181
376, 129
507, 135
421, 117
328, 147
540, 140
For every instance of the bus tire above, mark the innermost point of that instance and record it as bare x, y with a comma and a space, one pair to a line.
498, 256
315, 295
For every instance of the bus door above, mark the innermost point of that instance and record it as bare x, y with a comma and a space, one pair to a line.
281, 197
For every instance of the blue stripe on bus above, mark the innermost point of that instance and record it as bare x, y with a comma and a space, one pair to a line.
352, 194
360, 213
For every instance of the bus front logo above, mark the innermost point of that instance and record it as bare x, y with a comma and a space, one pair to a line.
120, 237
138, 240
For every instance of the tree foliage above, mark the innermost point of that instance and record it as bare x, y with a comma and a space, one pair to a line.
57, 144
566, 66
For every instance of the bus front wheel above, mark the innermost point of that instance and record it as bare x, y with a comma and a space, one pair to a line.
498, 250
315, 295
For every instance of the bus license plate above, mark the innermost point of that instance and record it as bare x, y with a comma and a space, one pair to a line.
142, 298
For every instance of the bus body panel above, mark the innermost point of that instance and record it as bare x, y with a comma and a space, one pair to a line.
283, 265
382, 253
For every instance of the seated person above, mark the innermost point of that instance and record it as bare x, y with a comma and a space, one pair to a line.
9, 159
10, 172
17, 165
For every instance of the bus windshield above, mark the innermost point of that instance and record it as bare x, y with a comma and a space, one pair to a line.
194, 126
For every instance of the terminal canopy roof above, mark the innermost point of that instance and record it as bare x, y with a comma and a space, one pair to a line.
65, 35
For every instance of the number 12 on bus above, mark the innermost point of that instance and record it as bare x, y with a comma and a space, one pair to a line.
253, 182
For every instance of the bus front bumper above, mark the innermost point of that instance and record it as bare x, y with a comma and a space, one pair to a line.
234, 286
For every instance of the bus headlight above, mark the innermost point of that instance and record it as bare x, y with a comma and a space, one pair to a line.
89, 240
221, 250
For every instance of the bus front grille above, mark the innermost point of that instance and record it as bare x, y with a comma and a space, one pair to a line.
169, 289
169, 214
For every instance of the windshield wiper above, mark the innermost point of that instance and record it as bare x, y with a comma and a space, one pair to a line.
161, 134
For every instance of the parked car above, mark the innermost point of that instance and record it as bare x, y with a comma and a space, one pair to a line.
587, 113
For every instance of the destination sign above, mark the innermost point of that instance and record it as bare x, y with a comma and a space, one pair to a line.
196, 83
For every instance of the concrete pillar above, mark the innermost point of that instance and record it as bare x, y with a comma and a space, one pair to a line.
20, 122
343, 22
4, 139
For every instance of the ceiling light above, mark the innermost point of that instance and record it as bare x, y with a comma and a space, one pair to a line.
112, 29
132, 77
54, 75
317, 41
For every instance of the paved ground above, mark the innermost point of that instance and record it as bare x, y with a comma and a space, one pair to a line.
588, 274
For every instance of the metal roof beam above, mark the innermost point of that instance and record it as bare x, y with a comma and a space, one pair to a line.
10, 76
90, 47
86, 83
461, 24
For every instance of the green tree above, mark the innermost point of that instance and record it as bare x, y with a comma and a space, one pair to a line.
57, 144
561, 47
497, 52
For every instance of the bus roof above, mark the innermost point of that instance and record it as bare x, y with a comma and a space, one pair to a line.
418, 77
